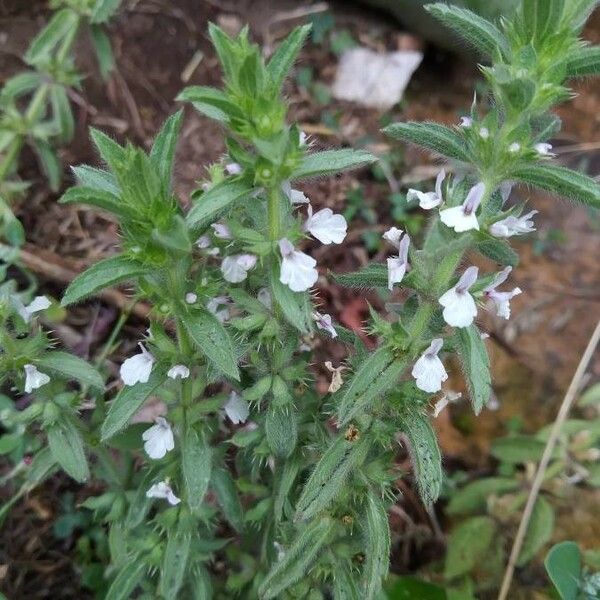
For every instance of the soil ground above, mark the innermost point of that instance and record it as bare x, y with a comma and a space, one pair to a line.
533, 355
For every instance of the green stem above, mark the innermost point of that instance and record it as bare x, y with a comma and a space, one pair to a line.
274, 215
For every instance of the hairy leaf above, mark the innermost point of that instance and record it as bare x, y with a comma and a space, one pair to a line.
228, 498
377, 546
100, 199
584, 62
71, 367
282, 60
370, 276
476, 365
473, 496
467, 545
66, 446
40, 49
196, 466
163, 149
331, 161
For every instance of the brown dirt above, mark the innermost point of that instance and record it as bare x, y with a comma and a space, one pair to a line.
534, 355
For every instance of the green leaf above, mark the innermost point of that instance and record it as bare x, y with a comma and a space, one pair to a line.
196, 467
563, 565
211, 102
71, 367
112, 154
281, 428
539, 531
126, 581
377, 375
591, 396
541, 17
127, 403
498, 251
66, 445
48, 38
377, 546
175, 561
225, 50
345, 586
517, 449
106, 273
283, 486
434, 137
467, 545
212, 204
584, 62
98, 198
61, 108
103, 10
103, 50
163, 149
49, 163
283, 58
294, 305
297, 558
211, 338
96, 179
227, 496
19, 85
332, 161
425, 455
411, 588
560, 180
479, 33
474, 358
473, 496
329, 476
370, 276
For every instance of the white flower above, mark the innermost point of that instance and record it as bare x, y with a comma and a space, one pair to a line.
397, 266
297, 268
513, 225
303, 138
36, 305
191, 297
514, 147
429, 371
178, 372
324, 322
264, 297
221, 231
466, 122
203, 242
484, 133
429, 200
213, 251
326, 226
505, 190
294, 196
233, 169
137, 368
214, 306
158, 439
463, 218
336, 377
163, 490
544, 149
34, 379
459, 305
235, 268
501, 299
236, 408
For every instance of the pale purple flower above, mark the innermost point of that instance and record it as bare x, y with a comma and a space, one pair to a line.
38, 304
484, 133
466, 122
34, 379
324, 322
294, 196
178, 372
463, 218
544, 149
158, 439
137, 368
236, 409
512, 225
221, 231
514, 148
501, 300
297, 268
429, 200
233, 168
326, 226
397, 265
235, 268
215, 306
191, 298
163, 491
459, 306
428, 371
203, 242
